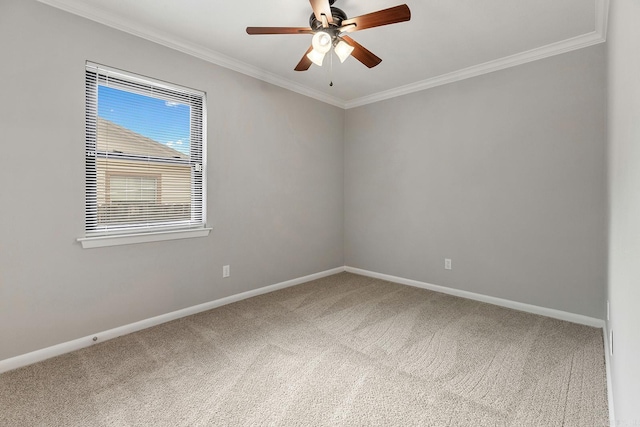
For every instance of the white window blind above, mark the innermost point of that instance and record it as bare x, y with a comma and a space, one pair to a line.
145, 143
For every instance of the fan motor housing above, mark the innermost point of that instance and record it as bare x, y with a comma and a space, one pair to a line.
338, 17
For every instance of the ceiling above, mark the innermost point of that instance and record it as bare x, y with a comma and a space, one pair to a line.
445, 40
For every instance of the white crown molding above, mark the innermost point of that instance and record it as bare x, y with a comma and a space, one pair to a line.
564, 46
478, 70
122, 24
579, 42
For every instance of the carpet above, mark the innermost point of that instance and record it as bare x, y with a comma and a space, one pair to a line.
345, 350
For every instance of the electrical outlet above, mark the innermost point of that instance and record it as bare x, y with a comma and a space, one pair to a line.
447, 264
225, 271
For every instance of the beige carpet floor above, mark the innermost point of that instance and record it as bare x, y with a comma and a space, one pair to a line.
345, 350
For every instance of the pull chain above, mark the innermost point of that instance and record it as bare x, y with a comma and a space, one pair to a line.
331, 69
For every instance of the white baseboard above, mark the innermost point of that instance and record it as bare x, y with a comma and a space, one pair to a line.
69, 346
607, 363
543, 311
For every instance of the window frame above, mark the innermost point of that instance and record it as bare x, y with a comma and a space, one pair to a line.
99, 236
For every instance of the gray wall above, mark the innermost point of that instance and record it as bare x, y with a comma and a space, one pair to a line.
503, 173
275, 195
624, 205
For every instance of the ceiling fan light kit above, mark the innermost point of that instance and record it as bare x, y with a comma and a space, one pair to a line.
321, 42
316, 57
343, 50
329, 26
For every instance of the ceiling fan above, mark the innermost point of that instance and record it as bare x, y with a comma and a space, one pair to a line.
330, 25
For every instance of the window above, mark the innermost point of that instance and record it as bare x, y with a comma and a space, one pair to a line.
145, 151
133, 189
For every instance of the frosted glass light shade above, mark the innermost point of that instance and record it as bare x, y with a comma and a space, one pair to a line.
343, 50
321, 42
316, 57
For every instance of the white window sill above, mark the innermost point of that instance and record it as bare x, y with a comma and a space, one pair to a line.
129, 239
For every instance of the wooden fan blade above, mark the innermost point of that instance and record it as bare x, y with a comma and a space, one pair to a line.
322, 7
361, 53
278, 30
392, 15
305, 62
